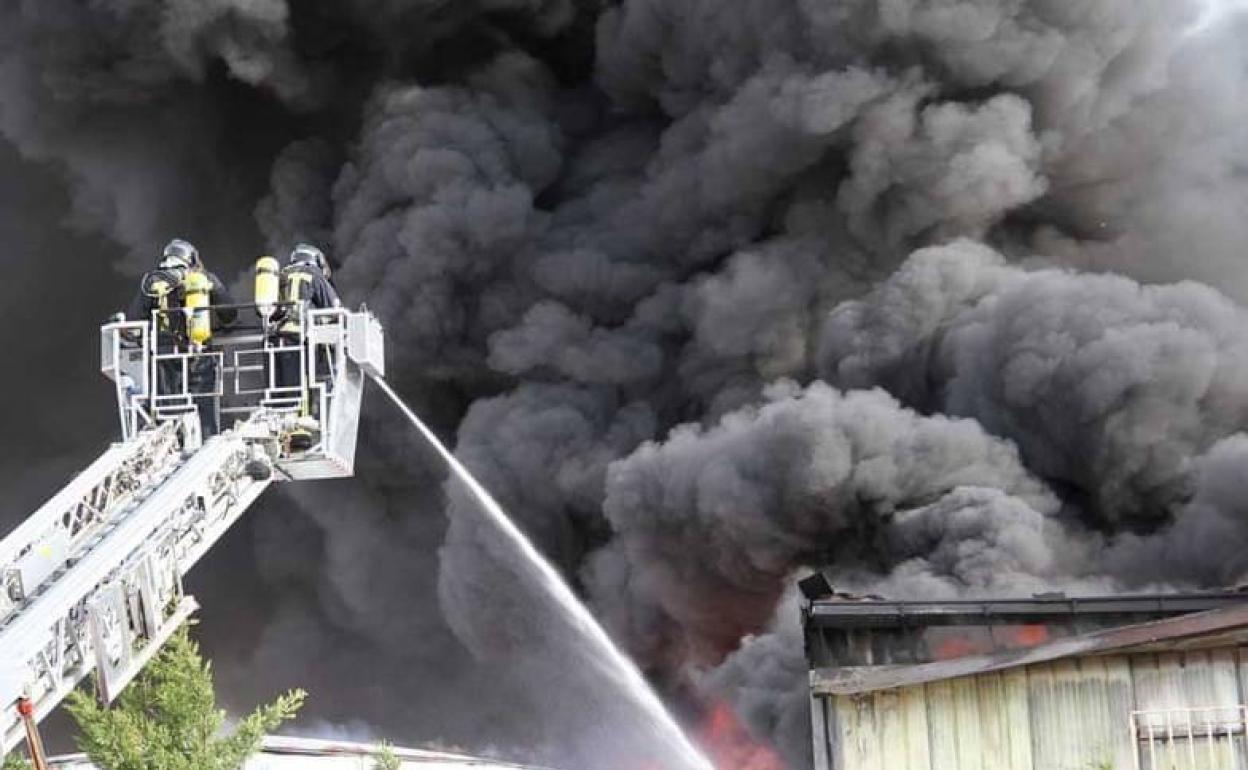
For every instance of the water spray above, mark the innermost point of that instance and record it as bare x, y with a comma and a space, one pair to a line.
620, 668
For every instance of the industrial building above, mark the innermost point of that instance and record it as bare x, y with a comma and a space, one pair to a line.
281, 753
1046, 683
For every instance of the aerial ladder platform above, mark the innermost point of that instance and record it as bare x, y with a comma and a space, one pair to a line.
92, 581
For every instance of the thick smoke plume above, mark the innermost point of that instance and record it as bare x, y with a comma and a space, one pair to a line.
812, 476
1108, 387
708, 292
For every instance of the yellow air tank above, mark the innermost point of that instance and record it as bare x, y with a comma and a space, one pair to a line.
198, 298
268, 286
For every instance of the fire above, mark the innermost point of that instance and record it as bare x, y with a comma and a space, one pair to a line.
730, 746
947, 644
1027, 636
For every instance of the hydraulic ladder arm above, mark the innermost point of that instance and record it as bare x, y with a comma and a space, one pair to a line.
109, 595
93, 580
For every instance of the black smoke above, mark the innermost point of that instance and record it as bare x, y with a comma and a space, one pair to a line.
942, 295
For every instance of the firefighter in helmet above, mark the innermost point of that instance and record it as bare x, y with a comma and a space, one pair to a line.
177, 295
160, 289
304, 285
159, 295
306, 278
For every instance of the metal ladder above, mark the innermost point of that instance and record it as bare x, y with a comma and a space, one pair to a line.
93, 580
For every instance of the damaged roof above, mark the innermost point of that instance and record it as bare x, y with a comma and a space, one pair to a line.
847, 611
1196, 621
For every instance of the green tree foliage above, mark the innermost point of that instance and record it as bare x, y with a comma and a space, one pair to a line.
386, 759
14, 761
168, 718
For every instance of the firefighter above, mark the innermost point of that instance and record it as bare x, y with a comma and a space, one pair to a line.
163, 289
160, 292
179, 292
304, 285
208, 307
306, 278
160, 289
218, 295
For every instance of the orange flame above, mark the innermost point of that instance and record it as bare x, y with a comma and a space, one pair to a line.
730, 746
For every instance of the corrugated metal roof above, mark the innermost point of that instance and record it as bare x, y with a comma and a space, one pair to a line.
282, 753
857, 612
1193, 631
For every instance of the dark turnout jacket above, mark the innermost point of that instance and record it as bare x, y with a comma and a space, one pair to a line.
307, 283
303, 282
148, 298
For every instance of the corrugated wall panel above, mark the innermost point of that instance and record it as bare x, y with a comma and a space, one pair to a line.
1120, 703
1149, 693
891, 724
995, 741
1240, 656
859, 738
1074, 716
918, 744
903, 729
1170, 682
1045, 723
970, 725
1241, 665
1067, 715
870, 746
942, 721
1089, 693
1175, 683
1197, 676
1214, 683
1225, 678
1018, 719
887, 730
1070, 737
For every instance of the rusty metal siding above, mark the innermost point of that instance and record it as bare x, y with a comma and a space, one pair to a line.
1070, 714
